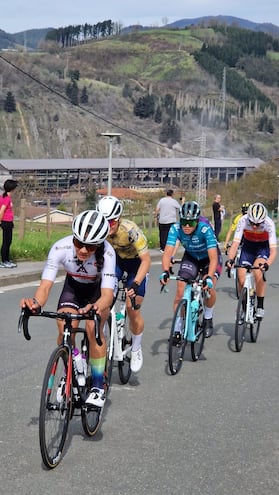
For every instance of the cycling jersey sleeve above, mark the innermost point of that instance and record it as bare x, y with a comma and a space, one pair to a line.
108, 271
54, 259
239, 230
271, 233
173, 235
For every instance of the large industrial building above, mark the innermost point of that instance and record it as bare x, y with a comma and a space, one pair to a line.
56, 176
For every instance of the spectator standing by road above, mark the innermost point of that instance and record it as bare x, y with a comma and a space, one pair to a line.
217, 215
7, 222
167, 213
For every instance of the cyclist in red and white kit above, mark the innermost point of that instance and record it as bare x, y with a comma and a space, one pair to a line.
89, 262
259, 248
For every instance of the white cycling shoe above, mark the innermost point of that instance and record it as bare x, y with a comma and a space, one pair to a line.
136, 360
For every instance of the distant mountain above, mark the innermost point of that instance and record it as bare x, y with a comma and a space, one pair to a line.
29, 39
32, 38
228, 20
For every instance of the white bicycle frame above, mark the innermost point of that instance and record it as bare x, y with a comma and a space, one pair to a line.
116, 337
249, 284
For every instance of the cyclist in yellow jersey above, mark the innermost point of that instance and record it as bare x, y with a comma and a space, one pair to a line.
233, 226
133, 257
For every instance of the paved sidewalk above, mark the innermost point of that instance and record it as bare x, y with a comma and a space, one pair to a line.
28, 271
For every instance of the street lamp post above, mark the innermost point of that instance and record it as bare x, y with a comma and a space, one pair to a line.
110, 135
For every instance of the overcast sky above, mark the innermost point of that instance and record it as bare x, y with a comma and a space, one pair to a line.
19, 15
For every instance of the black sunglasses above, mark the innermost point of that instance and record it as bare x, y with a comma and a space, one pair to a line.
254, 224
89, 247
191, 223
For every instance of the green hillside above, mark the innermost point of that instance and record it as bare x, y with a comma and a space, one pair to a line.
155, 87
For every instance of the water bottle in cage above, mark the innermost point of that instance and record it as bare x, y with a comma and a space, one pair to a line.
84, 362
196, 290
79, 366
120, 321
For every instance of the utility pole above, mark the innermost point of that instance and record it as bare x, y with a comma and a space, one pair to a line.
223, 93
110, 135
201, 183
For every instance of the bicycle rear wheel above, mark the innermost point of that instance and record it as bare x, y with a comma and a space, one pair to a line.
124, 366
240, 325
177, 342
197, 346
55, 408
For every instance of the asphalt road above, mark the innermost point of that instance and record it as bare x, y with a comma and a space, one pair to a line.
212, 429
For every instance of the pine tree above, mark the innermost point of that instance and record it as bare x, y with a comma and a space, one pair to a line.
10, 103
84, 95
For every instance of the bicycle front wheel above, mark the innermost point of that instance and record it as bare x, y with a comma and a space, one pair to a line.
236, 283
197, 346
177, 342
255, 328
109, 356
124, 366
240, 324
55, 408
90, 415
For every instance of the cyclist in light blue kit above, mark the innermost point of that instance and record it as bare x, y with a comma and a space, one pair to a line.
201, 252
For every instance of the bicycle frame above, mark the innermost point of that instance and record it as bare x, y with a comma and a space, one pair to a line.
249, 284
246, 305
116, 349
192, 293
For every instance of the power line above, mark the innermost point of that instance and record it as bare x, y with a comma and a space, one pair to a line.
94, 114
84, 109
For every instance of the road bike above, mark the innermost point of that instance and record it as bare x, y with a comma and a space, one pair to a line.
188, 323
246, 309
61, 392
120, 335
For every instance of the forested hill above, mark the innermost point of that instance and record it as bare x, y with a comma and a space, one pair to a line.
160, 88
32, 38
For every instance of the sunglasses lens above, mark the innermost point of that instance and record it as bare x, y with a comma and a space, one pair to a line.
89, 247
254, 224
185, 222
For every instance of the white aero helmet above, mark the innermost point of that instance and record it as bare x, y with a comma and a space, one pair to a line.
110, 207
90, 227
257, 213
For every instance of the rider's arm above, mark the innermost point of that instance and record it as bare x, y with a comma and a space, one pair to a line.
40, 297
233, 249
237, 238
166, 258
228, 236
272, 255
105, 300
213, 261
143, 268
272, 242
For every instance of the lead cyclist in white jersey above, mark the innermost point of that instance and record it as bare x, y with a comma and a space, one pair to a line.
259, 248
89, 262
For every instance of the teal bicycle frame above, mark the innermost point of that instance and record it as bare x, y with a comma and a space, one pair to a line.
189, 311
